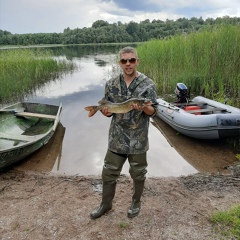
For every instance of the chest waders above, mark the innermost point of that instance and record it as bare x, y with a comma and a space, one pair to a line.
113, 164
134, 209
108, 192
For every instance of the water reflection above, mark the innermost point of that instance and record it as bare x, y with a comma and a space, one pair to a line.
85, 139
208, 156
76, 52
46, 157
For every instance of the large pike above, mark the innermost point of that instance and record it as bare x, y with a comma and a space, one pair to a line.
123, 107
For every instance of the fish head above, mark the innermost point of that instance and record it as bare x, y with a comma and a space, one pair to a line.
144, 102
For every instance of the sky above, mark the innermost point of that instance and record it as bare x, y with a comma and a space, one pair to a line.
49, 16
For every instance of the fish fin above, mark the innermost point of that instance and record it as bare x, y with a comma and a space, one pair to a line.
103, 101
92, 110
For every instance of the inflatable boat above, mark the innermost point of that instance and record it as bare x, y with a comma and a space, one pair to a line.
200, 118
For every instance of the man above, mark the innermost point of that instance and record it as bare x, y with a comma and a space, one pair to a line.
128, 133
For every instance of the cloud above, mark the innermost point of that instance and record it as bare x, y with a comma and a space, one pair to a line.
134, 5
181, 8
28, 16
46, 15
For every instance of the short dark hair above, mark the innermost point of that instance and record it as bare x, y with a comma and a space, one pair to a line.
128, 50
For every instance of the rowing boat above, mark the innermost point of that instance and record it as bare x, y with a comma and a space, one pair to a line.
24, 128
201, 118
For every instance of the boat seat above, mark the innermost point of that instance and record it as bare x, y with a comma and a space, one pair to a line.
16, 137
207, 110
37, 115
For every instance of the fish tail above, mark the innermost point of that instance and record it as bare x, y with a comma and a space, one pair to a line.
92, 110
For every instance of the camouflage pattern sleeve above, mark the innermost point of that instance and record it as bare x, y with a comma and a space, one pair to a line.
128, 133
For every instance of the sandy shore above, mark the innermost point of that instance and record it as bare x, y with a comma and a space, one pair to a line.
45, 206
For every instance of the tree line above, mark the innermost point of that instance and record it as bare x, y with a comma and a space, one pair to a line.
104, 32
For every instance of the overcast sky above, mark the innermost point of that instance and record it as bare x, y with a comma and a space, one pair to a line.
48, 16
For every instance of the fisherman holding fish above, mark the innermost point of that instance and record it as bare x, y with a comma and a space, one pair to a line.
129, 100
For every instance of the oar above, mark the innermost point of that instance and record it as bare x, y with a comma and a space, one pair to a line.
8, 110
12, 110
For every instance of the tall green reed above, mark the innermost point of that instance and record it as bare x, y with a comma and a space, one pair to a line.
23, 70
208, 61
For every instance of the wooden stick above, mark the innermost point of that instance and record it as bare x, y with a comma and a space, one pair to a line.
10, 110
37, 115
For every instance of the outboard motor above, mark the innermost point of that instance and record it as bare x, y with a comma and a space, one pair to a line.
182, 93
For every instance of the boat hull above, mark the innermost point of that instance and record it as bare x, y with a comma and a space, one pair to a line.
216, 120
22, 135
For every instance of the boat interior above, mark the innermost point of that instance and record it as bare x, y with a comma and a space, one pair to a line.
199, 108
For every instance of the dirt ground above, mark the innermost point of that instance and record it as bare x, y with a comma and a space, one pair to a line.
45, 206
38, 205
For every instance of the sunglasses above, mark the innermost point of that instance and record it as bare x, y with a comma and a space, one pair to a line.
124, 60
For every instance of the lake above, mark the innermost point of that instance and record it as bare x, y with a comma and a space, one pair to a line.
80, 143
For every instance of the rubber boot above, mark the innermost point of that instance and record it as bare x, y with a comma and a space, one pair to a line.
134, 209
108, 193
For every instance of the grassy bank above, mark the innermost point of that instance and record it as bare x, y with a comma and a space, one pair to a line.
228, 222
208, 61
23, 70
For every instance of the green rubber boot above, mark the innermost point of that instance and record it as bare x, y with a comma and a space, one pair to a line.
108, 193
134, 209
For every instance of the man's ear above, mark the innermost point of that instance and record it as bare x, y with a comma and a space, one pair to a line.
138, 61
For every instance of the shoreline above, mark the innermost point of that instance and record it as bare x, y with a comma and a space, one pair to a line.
49, 206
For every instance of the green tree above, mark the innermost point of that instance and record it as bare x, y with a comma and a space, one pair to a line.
99, 23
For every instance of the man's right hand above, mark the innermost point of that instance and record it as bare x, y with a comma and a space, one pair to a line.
105, 112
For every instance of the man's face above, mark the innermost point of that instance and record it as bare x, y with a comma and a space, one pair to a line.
129, 62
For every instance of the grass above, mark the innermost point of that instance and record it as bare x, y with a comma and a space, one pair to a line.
124, 224
233, 143
23, 70
207, 60
228, 222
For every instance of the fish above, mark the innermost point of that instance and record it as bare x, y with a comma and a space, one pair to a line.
123, 107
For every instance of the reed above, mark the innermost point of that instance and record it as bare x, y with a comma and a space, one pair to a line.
23, 70
208, 61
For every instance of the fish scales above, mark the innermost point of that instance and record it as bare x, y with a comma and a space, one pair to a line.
123, 107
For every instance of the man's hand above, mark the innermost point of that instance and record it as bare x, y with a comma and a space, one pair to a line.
148, 109
105, 112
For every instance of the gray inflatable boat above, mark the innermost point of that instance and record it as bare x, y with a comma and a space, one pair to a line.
201, 118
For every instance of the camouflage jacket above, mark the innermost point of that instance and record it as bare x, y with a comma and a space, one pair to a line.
128, 133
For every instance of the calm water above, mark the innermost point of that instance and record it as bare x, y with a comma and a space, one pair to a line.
85, 140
